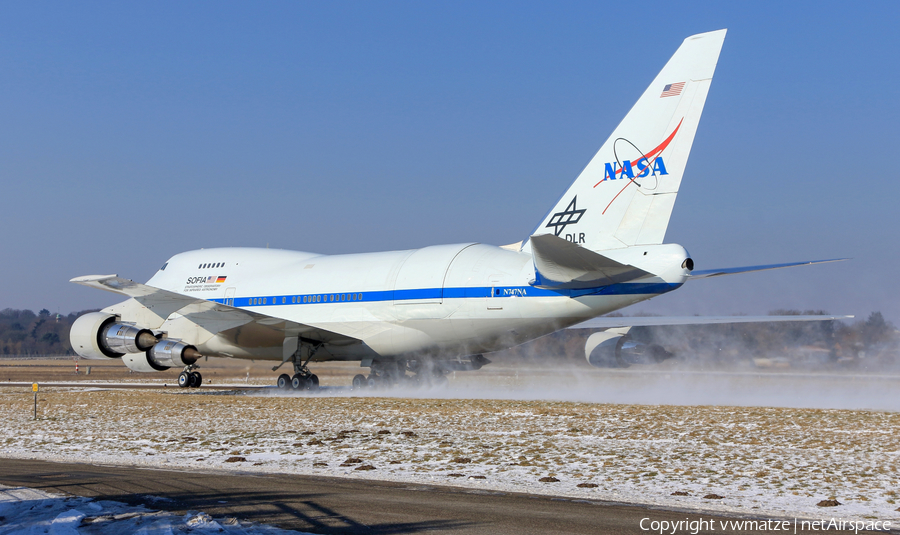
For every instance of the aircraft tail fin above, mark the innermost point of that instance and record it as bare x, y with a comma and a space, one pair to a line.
625, 195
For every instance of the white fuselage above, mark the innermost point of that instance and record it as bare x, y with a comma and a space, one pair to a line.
449, 300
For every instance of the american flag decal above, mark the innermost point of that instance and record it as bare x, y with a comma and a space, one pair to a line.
672, 90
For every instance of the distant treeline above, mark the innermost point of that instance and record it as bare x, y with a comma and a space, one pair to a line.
872, 341
22, 332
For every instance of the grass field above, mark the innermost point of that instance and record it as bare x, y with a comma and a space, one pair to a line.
762, 460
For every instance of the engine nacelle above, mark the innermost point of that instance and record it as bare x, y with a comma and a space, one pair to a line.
84, 335
172, 354
141, 362
99, 335
604, 349
122, 338
615, 349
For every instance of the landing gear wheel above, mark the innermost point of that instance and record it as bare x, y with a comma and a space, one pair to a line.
284, 381
359, 382
196, 379
372, 382
184, 379
298, 382
313, 382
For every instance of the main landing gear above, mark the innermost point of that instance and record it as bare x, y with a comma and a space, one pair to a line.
383, 375
190, 378
303, 379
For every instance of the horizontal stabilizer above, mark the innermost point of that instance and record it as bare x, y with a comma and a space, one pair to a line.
653, 321
707, 273
559, 263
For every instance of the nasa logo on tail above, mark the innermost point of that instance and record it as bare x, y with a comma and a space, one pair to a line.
570, 216
650, 162
626, 168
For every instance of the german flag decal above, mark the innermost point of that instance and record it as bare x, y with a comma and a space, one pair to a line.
220, 280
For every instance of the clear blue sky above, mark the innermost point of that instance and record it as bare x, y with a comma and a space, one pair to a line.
132, 131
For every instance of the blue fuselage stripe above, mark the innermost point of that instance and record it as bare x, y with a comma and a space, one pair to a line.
445, 293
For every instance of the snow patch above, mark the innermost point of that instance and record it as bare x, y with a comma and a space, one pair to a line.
26, 511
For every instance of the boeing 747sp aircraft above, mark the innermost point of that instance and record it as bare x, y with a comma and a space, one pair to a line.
428, 311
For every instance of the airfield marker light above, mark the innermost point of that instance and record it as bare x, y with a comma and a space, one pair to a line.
34, 388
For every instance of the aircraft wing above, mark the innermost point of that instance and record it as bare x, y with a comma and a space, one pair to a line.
607, 322
707, 273
211, 316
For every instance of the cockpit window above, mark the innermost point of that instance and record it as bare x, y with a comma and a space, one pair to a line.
164, 267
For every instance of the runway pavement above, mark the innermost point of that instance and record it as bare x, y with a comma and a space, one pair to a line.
137, 386
333, 505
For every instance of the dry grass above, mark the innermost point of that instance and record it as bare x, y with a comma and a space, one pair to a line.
768, 458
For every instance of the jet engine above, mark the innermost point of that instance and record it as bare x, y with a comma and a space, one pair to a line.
615, 349
173, 354
98, 335
141, 362
163, 355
